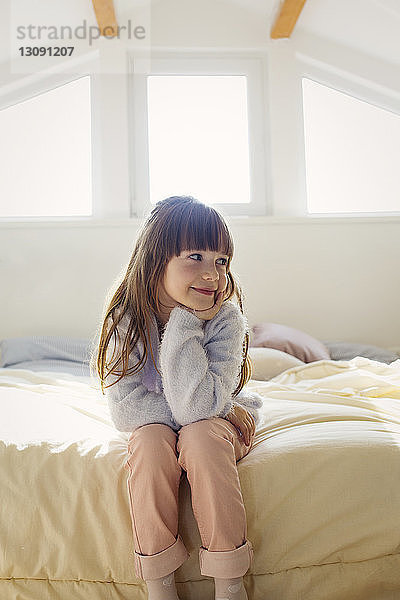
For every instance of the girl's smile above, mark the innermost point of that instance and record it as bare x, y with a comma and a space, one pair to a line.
193, 279
204, 291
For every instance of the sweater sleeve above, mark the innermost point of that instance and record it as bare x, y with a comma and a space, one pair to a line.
251, 401
132, 405
200, 364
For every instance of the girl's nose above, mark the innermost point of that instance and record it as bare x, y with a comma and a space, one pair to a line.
211, 274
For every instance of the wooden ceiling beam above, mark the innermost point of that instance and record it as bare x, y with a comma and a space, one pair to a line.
289, 12
105, 15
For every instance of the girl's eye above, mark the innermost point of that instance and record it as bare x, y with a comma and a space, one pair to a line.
224, 263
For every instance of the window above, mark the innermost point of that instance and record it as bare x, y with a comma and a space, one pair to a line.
198, 130
198, 137
45, 154
352, 153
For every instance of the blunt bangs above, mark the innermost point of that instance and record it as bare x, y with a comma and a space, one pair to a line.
201, 229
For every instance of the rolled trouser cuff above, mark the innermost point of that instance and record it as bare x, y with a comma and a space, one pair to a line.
226, 565
163, 563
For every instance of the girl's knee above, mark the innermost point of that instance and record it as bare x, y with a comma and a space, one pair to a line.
203, 432
151, 436
150, 429
196, 428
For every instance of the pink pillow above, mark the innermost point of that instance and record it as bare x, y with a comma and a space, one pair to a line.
289, 340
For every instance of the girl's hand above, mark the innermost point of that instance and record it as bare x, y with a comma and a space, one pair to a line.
208, 313
243, 421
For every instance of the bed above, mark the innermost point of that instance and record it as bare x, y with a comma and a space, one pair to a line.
321, 485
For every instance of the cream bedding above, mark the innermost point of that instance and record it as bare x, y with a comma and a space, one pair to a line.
321, 488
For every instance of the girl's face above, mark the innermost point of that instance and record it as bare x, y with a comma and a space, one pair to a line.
201, 269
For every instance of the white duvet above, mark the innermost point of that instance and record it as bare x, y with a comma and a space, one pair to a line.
321, 488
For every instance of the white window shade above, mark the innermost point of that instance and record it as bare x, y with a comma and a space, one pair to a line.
45, 154
198, 137
352, 151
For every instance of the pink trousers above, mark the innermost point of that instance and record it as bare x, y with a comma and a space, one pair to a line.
208, 451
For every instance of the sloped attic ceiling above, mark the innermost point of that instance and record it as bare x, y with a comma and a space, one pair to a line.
105, 12
369, 26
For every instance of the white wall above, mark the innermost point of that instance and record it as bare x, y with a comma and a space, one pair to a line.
335, 278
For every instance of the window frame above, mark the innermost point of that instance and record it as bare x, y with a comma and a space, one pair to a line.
195, 63
352, 85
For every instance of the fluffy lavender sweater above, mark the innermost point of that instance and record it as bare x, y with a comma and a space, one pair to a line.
199, 362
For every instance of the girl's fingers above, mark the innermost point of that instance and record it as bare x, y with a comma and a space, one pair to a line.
210, 313
251, 428
220, 298
252, 423
246, 432
218, 302
240, 426
244, 422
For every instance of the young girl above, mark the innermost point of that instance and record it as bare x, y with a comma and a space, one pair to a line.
173, 352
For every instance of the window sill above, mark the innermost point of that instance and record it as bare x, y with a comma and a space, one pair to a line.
232, 220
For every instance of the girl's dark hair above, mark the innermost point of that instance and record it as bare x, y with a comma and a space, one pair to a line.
175, 224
